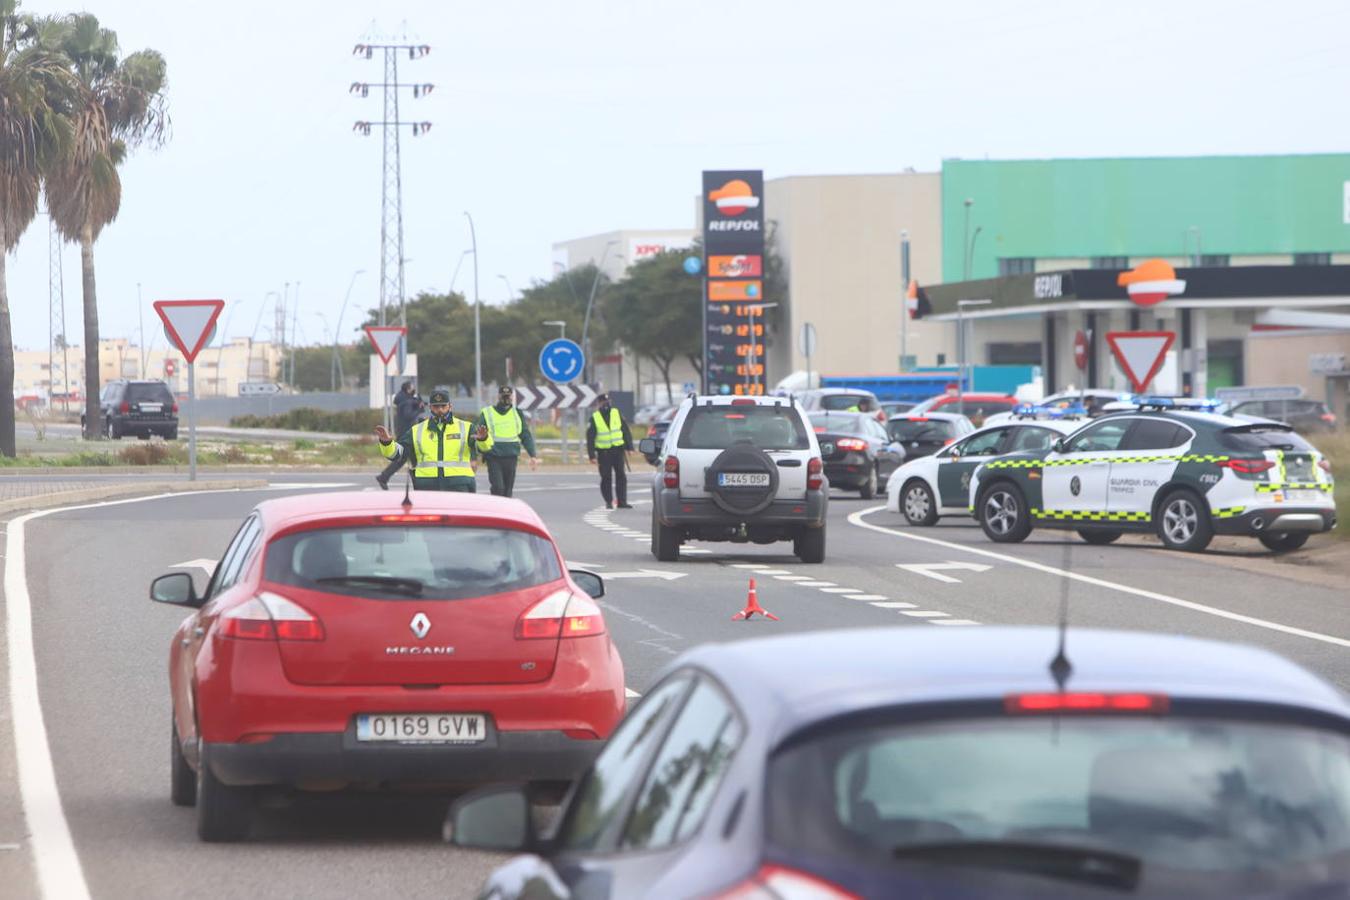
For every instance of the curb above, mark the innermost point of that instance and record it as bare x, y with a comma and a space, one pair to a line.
107, 492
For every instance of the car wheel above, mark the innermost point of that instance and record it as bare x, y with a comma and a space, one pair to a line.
1284, 542
665, 541
917, 504
171, 435
1004, 515
182, 780
810, 545
111, 431
223, 812
1099, 537
1183, 522
869, 487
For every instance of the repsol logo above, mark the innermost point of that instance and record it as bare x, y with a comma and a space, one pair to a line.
733, 225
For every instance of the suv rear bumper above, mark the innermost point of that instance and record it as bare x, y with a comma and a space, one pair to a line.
1278, 519
511, 756
674, 511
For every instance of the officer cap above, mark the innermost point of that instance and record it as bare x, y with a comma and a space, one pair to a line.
440, 397
602, 398
505, 391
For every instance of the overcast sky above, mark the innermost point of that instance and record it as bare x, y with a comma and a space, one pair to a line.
554, 120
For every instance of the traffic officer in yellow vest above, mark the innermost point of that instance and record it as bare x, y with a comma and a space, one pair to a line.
609, 440
509, 433
442, 450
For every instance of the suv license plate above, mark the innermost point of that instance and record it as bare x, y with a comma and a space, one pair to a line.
439, 728
743, 479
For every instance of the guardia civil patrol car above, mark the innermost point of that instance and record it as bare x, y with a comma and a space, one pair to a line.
1181, 471
924, 489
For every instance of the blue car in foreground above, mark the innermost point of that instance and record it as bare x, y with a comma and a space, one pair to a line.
961, 763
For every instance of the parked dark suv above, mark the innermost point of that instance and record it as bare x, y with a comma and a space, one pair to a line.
141, 408
1304, 416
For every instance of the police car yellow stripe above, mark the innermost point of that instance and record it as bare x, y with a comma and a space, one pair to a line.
1089, 515
1038, 463
1294, 486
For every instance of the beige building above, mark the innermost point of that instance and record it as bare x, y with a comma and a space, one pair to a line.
39, 375
615, 251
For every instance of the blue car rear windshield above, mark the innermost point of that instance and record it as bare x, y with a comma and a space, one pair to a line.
1209, 807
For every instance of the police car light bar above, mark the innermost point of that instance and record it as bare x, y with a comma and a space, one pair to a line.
1033, 411
1197, 404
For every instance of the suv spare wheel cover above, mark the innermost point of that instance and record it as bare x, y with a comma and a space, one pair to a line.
737, 462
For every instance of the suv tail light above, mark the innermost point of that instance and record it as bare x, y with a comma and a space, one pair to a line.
124, 407
813, 477
175, 406
851, 444
1071, 702
672, 475
774, 882
271, 617
561, 614
1248, 466
745, 401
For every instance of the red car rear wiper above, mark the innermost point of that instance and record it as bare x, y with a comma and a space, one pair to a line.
400, 585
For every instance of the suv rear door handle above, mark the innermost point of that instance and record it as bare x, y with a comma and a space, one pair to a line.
789, 463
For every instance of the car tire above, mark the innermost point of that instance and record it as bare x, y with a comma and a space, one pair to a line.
665, 541
224, 812
111, 430
171, 435
1183, 522
1285, 541
182, 780
1004, 514
1099, 537
869, 487
737, 501
809, 546
917, 503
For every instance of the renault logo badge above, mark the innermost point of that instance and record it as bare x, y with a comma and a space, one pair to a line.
420, 625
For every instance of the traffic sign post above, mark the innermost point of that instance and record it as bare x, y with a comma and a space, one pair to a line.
387, 341
190, 325
561, 360
1140, 354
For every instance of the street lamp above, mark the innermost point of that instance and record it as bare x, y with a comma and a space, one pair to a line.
965, 241
961, 350
337, 360
510, 294
750, 366
562, 326
477, 325
586, 323
455, 278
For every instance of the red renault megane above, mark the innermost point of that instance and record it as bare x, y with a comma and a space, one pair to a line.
347, 640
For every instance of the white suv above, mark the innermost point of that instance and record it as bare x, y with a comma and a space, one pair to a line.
740, 469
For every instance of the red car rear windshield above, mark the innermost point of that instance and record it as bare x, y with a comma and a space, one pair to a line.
434, 562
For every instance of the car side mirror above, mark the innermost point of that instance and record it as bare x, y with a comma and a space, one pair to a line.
647, 447
1059, 446
589, 582
175, 588
495, 818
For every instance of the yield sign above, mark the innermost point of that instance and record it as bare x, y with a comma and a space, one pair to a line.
1140, 353
385, 338
189, 323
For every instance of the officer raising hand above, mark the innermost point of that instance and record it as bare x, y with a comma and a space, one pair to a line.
442, 450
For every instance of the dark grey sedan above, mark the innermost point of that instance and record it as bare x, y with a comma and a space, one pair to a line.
923, 762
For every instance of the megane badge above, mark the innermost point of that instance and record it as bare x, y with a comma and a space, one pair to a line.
420, 625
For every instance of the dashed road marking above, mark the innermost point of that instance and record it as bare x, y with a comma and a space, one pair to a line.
890, 604
868, 597
793, 577
817, 584
840, 590
954, 622
923, 613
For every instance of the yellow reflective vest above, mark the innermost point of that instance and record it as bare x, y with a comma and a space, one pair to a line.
503, 426
431, 456
608, 436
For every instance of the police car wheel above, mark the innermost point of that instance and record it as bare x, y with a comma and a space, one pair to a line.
1093, 536
1183, 522
1284, 542
917, 504
1003, 514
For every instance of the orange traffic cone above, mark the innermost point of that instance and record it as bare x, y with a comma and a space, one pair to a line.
752, 606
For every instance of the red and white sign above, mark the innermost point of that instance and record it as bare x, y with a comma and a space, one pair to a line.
1080, 350
1140, 354
189, 323
385, 338
1151, 282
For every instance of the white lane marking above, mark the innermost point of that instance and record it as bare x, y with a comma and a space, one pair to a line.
856, 519
630, 693
584, 565
647, 573
792, 577
303, 485
748, 566
923, 613
817, 583
774, 572
838, 590
868, 597
58, 865
935, 570
954, 622
694, 550
890, 604
208, 564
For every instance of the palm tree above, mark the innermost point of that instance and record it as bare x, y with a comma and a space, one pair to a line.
34, 98
118, 104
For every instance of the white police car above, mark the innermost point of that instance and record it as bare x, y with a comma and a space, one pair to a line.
1166, 466
923, 489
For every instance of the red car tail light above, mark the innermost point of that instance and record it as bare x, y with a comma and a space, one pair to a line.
1329, 418
560, 614
124, 407
1071, 702
672, 475
1248, 466
851, 444
1324, 464
270, 617
774, 882
813, 477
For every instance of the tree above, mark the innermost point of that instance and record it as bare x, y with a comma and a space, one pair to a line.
35, 96
119, 104
656, 311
